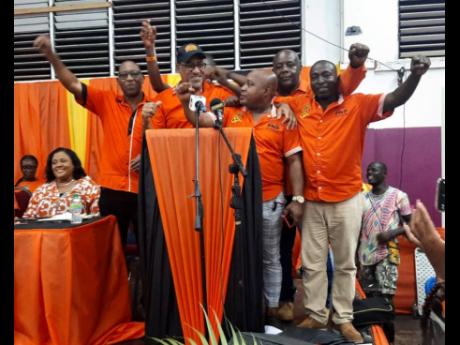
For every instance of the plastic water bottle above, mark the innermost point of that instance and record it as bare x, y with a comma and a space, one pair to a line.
76, 207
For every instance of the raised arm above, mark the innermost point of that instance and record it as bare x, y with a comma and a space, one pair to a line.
65, 76
223, 76
352, 76
148, 35
419, 65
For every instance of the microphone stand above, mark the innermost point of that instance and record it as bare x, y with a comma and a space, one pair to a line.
234, 168
199, 208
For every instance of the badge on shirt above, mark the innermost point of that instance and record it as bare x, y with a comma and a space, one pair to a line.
341, 112
305, 111
273, 126
237, 118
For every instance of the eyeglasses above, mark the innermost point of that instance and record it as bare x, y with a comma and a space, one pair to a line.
133, 74
28, 166
191, 66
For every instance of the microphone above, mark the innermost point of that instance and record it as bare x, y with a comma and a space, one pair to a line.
198, 102
217, 107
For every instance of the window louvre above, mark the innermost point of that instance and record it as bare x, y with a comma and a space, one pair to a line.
28, 62
85, 42
127, 20
210, 24
421, 28
81, 39
267, 27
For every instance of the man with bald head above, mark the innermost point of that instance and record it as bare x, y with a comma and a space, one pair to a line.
332, 130
121, 120
278, 150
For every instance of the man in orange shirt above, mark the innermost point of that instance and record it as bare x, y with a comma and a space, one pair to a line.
277, 147
169, 112
332, 130
122, 124
294, 80
29, 180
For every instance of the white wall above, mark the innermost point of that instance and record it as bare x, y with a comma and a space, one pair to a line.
379, 25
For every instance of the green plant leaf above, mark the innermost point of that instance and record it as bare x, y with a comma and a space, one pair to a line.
161, 341
223, 340
202, 338
212, 336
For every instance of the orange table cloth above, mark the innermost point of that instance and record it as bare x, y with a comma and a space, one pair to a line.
71, 286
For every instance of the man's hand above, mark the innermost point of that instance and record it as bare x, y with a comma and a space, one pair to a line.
149, 109
358, 54
135, 163
422, 226
232, 101
419, 65
43, 44
183, 91
295, 210
148, 35
283, 109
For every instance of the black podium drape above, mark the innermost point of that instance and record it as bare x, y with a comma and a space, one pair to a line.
244, 300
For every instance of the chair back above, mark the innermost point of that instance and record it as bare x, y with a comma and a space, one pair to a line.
22, 196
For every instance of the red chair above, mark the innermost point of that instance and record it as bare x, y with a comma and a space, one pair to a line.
22, 196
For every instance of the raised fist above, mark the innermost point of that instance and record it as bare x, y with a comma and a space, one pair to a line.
358, 54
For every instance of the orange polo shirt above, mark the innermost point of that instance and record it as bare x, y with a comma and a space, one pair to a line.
274, 142
332, 142
31, 185
350, 78
170, 113
119, 148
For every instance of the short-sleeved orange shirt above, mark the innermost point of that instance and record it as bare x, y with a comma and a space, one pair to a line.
350, 78
332, 142
274, 142
31, 185
170, 113
119, 147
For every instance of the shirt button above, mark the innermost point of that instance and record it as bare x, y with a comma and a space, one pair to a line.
319, 188
320, 121
318, 172
319, 138
318, 154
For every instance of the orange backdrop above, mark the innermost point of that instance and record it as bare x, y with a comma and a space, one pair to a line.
47, 116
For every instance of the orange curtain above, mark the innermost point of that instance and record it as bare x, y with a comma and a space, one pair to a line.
173, 165
40, 121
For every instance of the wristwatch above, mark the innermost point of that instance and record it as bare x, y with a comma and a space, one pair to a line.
298, 198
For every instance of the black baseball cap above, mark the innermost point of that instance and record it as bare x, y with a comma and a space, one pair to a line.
189, 50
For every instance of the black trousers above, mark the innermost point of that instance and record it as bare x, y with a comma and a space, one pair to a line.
123, 205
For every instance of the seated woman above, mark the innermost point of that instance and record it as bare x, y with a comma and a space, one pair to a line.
29, 180
65, 177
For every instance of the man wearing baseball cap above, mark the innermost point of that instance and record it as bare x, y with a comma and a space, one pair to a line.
169, 113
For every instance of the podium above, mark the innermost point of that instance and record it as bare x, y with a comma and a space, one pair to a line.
169, 244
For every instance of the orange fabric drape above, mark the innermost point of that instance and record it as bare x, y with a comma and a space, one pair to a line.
406, 291
40, 122
173, 165
71, 286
